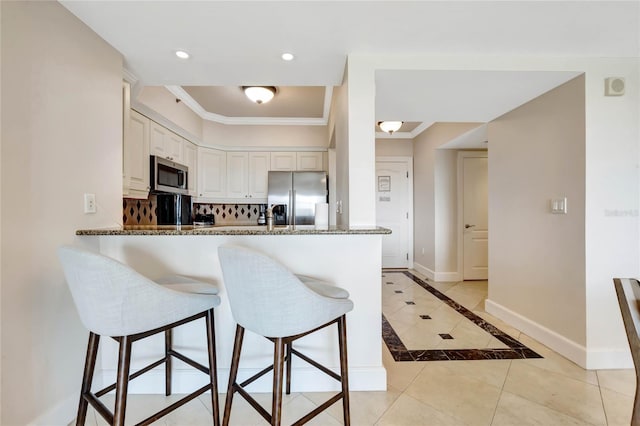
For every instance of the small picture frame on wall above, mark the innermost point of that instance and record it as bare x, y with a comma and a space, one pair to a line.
384, 183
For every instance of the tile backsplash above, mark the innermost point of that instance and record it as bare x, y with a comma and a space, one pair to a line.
143, 212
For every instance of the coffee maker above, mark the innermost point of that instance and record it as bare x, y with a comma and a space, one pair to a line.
174, 209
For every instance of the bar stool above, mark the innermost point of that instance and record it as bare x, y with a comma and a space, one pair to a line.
272, 302
114, 300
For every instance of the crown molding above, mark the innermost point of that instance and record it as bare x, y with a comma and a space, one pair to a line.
129, 77
182, 94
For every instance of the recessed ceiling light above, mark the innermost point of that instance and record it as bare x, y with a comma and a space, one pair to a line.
182, 54
287, 56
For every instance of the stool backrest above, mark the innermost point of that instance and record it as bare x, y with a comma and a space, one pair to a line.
112, 299
266, 298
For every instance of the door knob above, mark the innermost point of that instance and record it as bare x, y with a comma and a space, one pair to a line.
467, 226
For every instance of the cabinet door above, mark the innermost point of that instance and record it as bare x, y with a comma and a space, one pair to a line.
283, 161
309, 161
259, 163
164, 143
212, 173
136, 152
174, 145
237, 173
191, 160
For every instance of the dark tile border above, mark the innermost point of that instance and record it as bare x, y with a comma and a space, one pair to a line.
515, 350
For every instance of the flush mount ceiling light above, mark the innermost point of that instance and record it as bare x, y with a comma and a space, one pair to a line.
182, 54
390, 126
259, 94
287, 56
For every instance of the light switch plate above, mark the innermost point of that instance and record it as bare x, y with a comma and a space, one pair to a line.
89, 203
559, 205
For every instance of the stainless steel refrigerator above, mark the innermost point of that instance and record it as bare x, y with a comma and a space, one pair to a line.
294, 196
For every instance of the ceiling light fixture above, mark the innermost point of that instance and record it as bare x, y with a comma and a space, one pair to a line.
259, 94
390, 126
182, 54
287, 56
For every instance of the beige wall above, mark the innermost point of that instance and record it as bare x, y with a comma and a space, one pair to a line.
182, 119
234, 136
537, 259
433, 203
394, 147
339, 127
61, 137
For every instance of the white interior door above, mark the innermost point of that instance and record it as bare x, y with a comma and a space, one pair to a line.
393, 211
475, 218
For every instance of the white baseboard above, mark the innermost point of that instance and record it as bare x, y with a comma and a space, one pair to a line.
62, 413
565, 347
302, 380
437, 276
591, 359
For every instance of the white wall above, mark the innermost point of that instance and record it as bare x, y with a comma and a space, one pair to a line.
237, 136
339, 129
394, 147
537, 261
182, 120
434, 206
61, 137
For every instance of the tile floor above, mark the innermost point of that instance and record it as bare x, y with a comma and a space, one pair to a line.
535, 391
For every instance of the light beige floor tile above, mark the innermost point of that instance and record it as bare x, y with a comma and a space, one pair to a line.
556, 363
366, 407
514, 410
620, 381
467, 399
492, 372
495, 344
556, 391
192, 414
499, 324
299, 406
139, 407
407, 411
617, 407
400, 374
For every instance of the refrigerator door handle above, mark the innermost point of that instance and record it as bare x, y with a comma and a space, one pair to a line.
293, 208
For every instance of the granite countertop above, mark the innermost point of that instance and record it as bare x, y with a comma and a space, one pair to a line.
230, 230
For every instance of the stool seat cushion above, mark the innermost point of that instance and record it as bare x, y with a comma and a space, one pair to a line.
186, 285
114, 300
323, 288
268, 299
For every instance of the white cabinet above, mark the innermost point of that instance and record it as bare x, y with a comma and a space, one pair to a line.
283, 161
309, 161
247, 174
237, 175
165, 143
136, 156
190, 151
212, 173
259, 163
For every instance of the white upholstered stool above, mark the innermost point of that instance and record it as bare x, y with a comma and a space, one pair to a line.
269, 300
114, 300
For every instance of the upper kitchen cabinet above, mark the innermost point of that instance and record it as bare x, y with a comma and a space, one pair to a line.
283, 161
212, 174
247, 174
310, 161
136, 156
166, 144
297, 161
190, 159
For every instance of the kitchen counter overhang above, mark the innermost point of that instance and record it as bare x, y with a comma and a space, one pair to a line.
231, 230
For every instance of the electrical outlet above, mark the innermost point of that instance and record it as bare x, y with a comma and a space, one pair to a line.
89, 203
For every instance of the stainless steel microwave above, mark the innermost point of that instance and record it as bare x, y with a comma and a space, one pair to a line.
168, 176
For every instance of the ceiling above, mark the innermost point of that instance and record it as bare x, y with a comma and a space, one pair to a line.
235, 43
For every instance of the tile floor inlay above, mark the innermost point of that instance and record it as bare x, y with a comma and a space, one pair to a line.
506, 347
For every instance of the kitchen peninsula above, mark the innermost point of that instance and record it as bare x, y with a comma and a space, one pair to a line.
349, 258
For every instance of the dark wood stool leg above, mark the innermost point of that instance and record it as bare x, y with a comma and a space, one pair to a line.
213, 367
122, 380
288, 388
168, 344
278, 366
344, 374
233, 372
87, 377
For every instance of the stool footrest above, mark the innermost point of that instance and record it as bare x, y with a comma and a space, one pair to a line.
316, 364
319, 409
138, 373
189, 361
264, 413
179, 403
